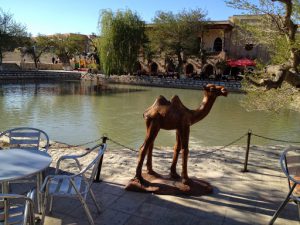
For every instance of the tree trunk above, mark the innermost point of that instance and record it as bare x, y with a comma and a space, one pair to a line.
180, 63
1, 58
35, 63
277, 75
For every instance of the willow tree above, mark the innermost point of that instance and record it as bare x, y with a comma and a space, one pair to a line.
177, 34
122, 36
277, 86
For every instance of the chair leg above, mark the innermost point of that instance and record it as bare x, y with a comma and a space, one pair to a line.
44, 208
283, 204
51, 204
86, 209
95, 201
32, 217
298, 204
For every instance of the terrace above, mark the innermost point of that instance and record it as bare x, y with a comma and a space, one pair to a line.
238, 198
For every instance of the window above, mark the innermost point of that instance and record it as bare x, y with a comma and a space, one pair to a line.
218, 45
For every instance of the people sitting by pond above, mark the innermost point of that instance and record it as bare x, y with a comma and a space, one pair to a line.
172, 74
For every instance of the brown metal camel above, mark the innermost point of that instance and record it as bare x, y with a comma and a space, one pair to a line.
173, 115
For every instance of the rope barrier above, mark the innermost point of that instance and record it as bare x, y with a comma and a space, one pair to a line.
207, 153
124, 146
79, 145
226, 159
213, 151
278, 140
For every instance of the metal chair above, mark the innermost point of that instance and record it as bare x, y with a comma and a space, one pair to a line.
75, 185
26, 138
17, 209
290, 164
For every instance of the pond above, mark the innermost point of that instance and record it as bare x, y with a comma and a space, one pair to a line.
75, 113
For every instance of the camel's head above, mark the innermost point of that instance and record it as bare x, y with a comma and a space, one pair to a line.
215, 90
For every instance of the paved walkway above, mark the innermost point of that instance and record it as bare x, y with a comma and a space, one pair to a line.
238, 198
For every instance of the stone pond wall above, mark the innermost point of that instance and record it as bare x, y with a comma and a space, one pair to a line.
185, 83
38, 75
169, 82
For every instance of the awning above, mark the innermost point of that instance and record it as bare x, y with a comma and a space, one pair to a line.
241, 62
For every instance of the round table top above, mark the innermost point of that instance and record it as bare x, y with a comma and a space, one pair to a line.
20, 163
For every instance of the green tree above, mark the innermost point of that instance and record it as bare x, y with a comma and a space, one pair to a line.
122, 36
35, 47
12, 34
177, 34
277, 30
66, 46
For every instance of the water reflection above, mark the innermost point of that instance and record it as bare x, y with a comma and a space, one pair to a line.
65, 88
76, 112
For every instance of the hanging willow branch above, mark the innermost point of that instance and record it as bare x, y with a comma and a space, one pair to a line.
122, 35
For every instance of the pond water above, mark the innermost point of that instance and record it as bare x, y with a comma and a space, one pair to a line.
75, 113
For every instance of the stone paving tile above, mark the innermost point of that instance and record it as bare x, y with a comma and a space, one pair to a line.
53, 220
175, 217
208, 220
105, 199
61, 217
129, 202
150, 211
108, 188
136, 220
112, 217
238, 217
68, 206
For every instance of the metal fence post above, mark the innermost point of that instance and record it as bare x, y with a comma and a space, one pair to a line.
97, 180
247, 151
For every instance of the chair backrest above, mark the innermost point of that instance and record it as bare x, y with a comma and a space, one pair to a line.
27, 138
89, 172
17, 209
290, 164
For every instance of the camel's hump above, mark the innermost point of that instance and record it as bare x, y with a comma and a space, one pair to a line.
162, 106
153, 110
161, 100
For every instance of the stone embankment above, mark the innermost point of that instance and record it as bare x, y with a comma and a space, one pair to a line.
169, 82
185, 83
38, 75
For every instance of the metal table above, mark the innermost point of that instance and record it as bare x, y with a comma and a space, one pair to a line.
19, 163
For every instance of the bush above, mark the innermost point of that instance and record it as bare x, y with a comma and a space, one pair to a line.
94, 68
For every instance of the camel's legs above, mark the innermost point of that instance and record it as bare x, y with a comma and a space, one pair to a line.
149, 159
177, 148
152, 131
184, 136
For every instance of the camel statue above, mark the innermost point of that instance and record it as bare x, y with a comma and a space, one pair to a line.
173, 115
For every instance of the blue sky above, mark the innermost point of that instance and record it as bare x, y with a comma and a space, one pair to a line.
66, 16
